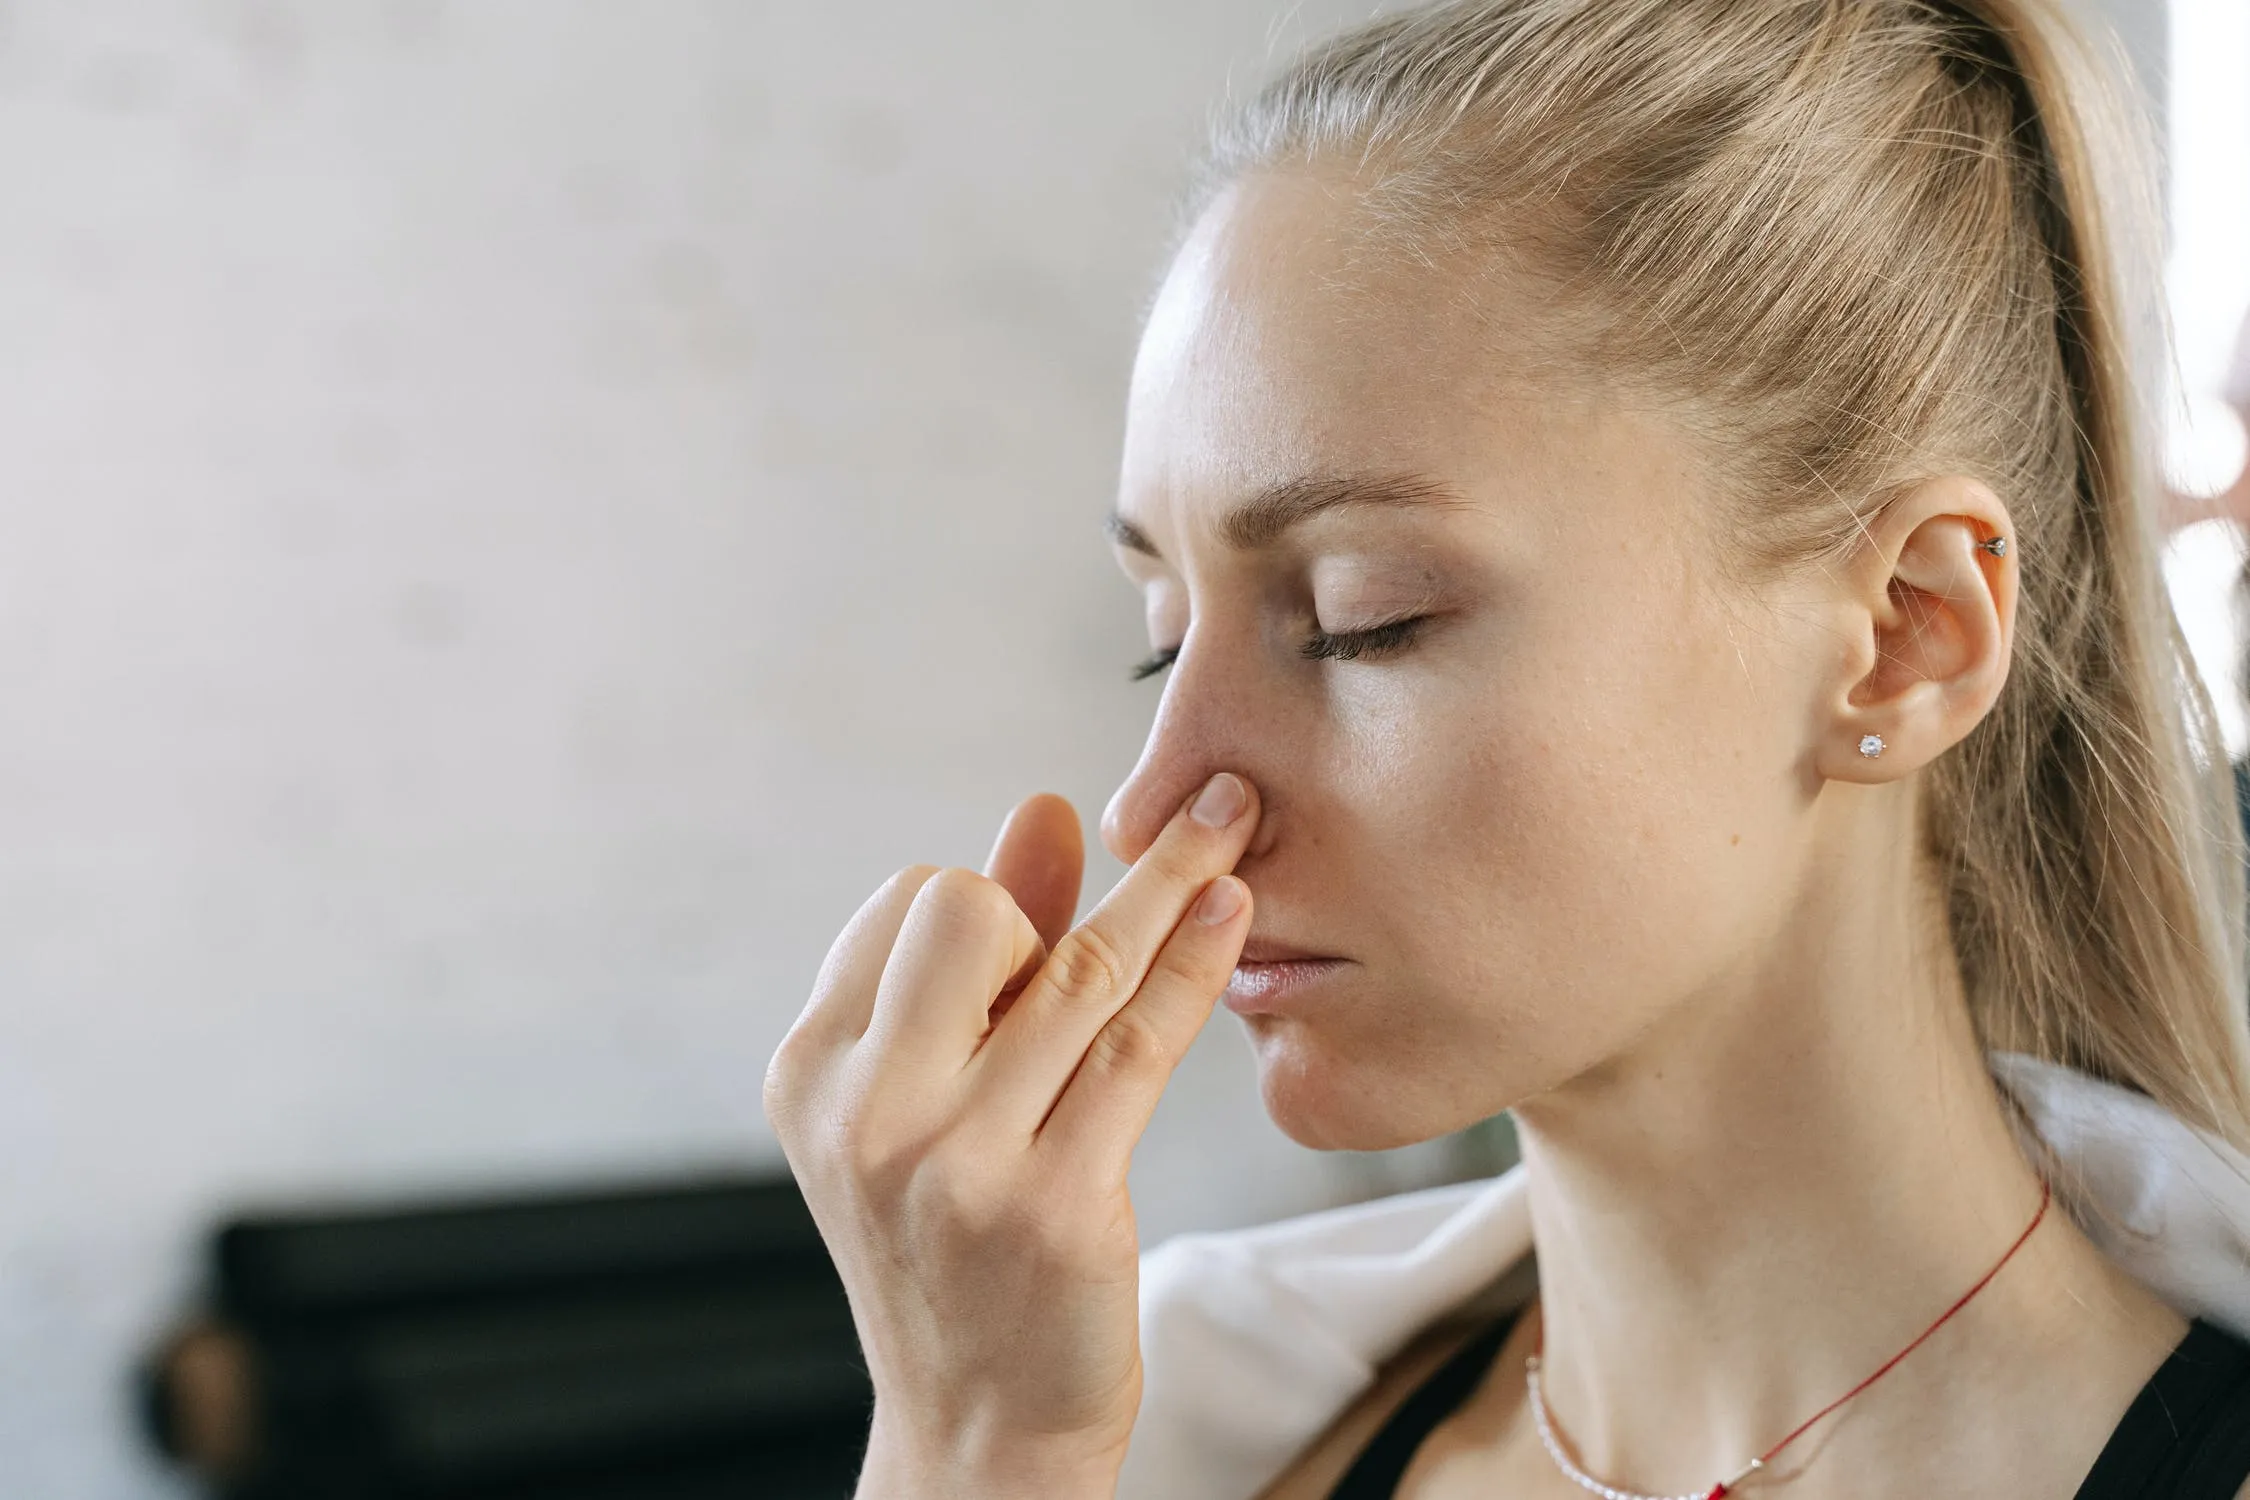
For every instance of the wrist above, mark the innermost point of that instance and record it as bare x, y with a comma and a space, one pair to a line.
902, 1465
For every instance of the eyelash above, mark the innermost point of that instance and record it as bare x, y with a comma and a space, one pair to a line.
1350, 645
1376, 640
1156, 663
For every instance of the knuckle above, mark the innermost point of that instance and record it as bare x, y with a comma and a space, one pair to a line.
1190, 965
1130, 1043
789, 1073
1088, 964
780, 1089
961, 896
913, 877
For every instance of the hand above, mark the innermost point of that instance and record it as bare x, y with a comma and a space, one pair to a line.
960, 1101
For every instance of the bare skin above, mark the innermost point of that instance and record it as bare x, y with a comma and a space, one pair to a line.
1593, 841
1603, 849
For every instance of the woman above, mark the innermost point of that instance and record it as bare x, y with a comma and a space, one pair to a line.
1639, 505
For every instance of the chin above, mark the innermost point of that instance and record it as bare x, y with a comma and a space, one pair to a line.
1329, 1100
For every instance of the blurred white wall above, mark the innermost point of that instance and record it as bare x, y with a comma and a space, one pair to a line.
517, 516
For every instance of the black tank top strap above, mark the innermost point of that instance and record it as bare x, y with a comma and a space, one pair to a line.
1382, 1463
2185, 1437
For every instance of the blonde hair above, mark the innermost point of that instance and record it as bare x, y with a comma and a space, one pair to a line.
1861, 243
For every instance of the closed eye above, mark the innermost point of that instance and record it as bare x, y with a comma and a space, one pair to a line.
1350, 645
1156, 663
1322, 645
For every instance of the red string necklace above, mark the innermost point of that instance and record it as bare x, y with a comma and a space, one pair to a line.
1585, 1481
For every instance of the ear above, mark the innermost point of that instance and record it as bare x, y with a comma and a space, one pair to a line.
1932, 623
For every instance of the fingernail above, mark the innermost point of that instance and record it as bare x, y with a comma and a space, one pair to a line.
1221, 900
1221, 801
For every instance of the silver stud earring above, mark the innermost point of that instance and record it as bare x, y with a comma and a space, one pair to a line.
1996, 545
1871, 745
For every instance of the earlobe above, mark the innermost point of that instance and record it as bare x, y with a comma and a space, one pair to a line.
1935, 615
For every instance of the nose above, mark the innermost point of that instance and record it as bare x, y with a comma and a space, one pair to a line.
1201, 729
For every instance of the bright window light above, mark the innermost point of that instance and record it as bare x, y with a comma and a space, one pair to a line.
2207, 284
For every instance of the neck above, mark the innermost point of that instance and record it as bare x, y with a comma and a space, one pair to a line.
1746, 1213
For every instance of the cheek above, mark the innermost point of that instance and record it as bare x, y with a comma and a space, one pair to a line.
1573, 841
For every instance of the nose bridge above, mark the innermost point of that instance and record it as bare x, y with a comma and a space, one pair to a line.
1195, 736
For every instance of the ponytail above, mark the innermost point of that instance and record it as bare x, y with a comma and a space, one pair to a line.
2105, 911
1879, 240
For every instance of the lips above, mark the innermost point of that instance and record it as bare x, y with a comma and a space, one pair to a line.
1259, 950
1274, 977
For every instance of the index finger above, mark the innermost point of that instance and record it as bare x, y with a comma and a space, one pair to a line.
1097, 966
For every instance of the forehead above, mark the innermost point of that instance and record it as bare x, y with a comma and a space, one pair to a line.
1292, 336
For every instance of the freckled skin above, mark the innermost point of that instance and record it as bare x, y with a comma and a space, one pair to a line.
1581, 795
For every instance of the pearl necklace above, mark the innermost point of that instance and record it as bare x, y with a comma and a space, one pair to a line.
1724, 1487
1586, 1481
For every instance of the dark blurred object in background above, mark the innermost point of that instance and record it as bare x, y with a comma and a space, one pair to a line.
662, 1343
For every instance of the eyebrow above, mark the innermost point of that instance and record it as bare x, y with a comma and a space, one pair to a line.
1261, 520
